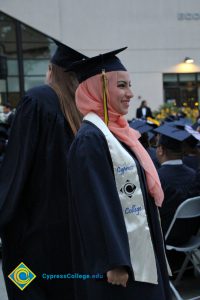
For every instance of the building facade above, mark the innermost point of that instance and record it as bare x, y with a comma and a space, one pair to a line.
159, 34
24, 57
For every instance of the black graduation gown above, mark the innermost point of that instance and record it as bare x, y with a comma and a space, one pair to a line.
99, 239
139, 113
191, 161
175, 180
152, 153
33, 196
179, 182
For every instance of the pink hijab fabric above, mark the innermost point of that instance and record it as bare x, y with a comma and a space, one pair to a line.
89, 99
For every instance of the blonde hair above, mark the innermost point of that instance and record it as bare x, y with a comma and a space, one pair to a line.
65, 84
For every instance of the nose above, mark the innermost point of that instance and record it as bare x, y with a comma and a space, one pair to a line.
129, 93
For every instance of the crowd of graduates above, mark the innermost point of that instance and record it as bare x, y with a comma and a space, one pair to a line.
174, 146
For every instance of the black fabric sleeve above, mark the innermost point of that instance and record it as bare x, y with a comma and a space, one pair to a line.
18, 159
96, 206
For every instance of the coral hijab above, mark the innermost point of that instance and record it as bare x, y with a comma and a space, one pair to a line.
89, 99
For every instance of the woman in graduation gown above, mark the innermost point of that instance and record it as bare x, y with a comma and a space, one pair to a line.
33, 190
116, 241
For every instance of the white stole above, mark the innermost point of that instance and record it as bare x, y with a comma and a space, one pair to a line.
130, 194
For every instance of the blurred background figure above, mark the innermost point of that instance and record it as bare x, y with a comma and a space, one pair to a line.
190, 149
7, 109
143, 111
196, 125
3, 141
145, 128
175, 176
9, 114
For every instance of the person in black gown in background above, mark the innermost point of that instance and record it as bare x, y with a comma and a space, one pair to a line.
191, 149
114, 191
33, 189
143, 112
175, 177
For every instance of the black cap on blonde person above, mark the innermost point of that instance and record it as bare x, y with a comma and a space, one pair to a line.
65, 56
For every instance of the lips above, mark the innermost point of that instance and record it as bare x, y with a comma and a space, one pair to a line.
127, 102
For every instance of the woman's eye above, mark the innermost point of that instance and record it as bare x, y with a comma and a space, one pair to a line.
121, 85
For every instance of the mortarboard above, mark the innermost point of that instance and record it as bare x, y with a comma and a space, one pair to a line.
89, 67
151, 135
140, 126
173, 132
180, 123
172, 136
185, 124
65, 56
170, 118
99, 64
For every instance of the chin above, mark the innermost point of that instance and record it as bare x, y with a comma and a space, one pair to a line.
123, 113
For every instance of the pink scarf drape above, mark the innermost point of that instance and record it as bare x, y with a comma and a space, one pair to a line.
89, 99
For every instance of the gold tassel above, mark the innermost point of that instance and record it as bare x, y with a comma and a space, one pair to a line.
105, 97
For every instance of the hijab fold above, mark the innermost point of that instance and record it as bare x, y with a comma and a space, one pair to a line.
89, 98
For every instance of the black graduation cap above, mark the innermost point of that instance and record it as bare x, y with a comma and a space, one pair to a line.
151, 135
173, 132
180, 123
92, 66
65, 56
185, 125
171, 136
140, 125
170, 118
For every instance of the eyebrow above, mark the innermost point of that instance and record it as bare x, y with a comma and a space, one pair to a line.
123, 81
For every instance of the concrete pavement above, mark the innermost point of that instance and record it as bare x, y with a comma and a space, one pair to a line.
3, 294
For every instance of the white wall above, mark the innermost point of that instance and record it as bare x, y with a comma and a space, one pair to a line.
147, 86
157, 41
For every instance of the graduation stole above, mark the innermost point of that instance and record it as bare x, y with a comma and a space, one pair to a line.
132, 204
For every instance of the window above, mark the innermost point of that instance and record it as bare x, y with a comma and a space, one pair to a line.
183, 88
28, 52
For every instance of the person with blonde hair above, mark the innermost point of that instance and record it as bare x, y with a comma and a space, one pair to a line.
33, 189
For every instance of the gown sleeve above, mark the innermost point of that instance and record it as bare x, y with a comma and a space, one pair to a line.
18, 159
95, 205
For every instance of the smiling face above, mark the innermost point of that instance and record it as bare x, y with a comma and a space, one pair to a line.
120, 92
